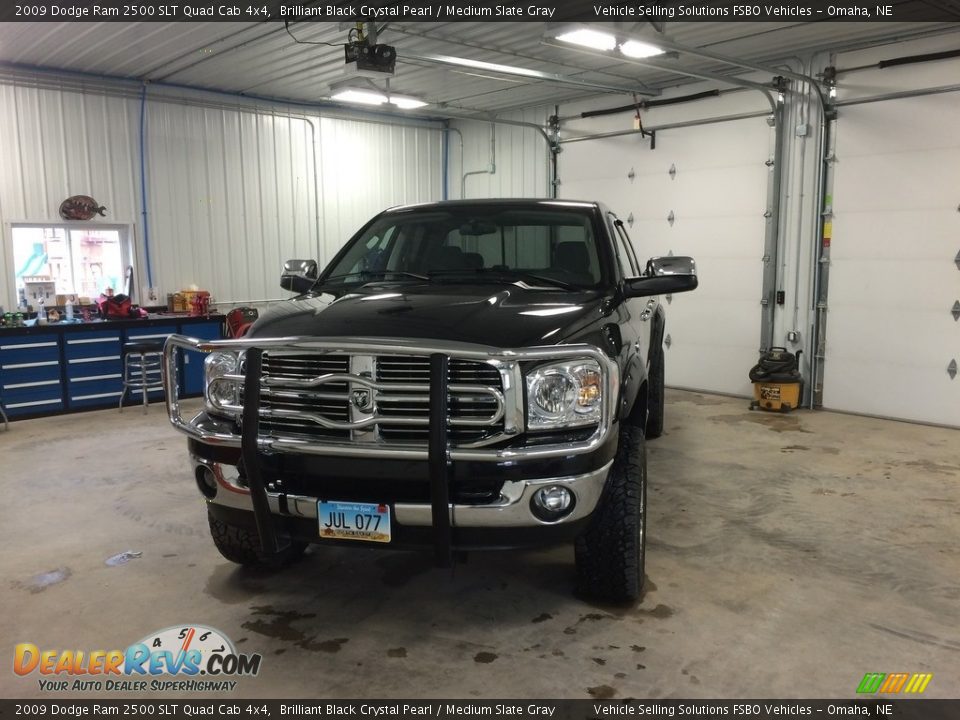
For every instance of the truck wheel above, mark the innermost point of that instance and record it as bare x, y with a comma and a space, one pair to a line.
242, 546
655, 395
610, 553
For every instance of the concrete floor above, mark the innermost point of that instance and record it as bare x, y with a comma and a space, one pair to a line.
787, 556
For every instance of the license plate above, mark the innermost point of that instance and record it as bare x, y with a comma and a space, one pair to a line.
354, 521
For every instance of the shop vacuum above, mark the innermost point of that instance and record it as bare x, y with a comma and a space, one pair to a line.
777, 383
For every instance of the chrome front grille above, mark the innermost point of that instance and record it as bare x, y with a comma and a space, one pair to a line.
332, 401
460, 406
371, 399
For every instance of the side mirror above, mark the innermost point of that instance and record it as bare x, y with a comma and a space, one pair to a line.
664, 275
298, 275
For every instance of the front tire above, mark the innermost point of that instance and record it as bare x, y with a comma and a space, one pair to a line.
242, 546
610, 553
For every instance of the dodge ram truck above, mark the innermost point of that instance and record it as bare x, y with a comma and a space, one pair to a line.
463, 375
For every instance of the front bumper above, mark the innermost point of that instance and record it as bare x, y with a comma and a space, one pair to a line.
510, 510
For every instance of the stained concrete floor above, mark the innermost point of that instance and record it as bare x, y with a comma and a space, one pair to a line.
788, 555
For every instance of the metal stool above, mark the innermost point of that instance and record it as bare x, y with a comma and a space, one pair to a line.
142, 368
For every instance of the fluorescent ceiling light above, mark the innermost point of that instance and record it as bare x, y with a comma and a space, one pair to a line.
371, 97
365, 97
638, 49
589, 38
406, 103
492, 67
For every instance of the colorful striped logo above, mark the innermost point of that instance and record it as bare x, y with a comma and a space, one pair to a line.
891, 683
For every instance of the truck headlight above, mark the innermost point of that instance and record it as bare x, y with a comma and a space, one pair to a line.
564, 394
221, 393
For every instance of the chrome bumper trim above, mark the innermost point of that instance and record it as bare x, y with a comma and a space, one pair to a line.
512, 510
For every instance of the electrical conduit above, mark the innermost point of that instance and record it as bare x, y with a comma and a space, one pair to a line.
491, 169
143, 184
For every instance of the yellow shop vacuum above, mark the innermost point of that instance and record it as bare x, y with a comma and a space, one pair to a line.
777, 383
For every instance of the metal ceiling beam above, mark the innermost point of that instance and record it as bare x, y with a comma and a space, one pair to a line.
567, 70
668, 67
665, 44
537, 75
162, 67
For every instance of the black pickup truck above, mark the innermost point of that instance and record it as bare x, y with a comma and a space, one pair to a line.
463, 375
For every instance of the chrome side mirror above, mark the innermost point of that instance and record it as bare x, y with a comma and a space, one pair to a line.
664, 275
298, 275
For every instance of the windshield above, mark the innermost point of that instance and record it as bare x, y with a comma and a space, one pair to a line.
538, 246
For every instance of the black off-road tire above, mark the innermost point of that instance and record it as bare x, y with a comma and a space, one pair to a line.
610, 553
242, 546
654, 428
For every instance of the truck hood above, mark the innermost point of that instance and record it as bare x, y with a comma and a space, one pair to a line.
499, 315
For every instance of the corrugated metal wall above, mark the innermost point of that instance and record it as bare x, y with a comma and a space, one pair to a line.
368, 167
520, 154
230, 196
231, 191
54, 145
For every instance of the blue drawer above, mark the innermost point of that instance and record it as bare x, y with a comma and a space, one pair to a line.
33, 406
85, 345
24, 394
29, 372
155, 332
92, 367
24, 342
33, 400
28, 349
106, 379
95, 397
9, 384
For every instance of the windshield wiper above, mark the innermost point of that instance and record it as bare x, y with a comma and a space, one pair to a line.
507, 272
363, 275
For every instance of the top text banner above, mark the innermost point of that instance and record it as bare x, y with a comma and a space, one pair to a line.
460, 10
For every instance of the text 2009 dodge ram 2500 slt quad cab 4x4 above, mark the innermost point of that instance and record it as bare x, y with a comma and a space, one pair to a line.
463, 375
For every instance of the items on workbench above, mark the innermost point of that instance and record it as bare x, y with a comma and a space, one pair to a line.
38, 290
118, 306
193, 301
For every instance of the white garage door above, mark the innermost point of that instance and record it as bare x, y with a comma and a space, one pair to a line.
717, 198
893, 278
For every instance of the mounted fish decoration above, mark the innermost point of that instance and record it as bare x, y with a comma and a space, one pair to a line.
80, 207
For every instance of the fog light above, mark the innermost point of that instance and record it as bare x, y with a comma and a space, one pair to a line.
552, 503
206, 482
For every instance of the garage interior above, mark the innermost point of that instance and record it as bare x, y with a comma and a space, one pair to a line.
813, 171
